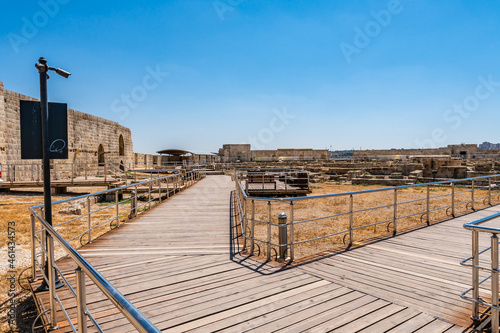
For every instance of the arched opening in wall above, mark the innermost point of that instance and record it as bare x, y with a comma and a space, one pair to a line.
121, 146
122, 166
100, 155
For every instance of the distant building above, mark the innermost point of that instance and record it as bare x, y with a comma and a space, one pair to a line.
488, 145
243, 153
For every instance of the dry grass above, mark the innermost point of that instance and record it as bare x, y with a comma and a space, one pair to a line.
373, 223
14, 207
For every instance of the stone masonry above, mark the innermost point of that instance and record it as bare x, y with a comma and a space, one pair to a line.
91, 139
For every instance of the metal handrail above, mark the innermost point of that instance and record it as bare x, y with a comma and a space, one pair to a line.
443, 182
122, 304
392, 218
136, 318
476, 227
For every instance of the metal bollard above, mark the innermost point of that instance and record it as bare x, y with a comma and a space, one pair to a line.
282, 236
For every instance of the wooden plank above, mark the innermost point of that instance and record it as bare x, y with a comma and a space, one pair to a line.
390, 321
435, 326
413, 324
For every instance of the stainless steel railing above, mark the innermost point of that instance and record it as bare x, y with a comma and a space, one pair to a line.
43, 247
491, 308
342, 211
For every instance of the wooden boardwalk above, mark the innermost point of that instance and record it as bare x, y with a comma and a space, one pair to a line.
178, 264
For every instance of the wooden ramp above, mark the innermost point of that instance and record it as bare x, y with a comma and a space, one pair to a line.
178, 264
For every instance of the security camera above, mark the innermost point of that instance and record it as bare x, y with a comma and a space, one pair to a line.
62, 72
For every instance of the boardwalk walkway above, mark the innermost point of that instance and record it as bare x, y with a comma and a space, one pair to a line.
176, 264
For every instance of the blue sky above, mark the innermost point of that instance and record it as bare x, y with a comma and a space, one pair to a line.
276, 74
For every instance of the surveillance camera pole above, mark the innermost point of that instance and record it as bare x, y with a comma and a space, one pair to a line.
44, 109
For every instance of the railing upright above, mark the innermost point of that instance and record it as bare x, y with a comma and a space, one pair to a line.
494, 283
81, 300
51, 282
453, 199
292, 245
244, 223
472, 196
475, 274
269, 231
252, 230
428, 204
351, 219
117, 201
33, 248
395, 214
489, 191
89, 212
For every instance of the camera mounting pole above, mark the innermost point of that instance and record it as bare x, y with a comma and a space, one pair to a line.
43, 69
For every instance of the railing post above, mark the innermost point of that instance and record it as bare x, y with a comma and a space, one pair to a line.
52, 282
32, 173
472, 195
351, 219
135, 202
159, 189
269, 232
132, 204
117, 199
494, 283
86, 167
475, 274
105, 172
252, 230
168, 188
72, 172
282, 235
428, 204
292, 258
395, 216
89, 219
43, 236
489, 191
243, 221
149, 196
453, 199
81, 303
33, 248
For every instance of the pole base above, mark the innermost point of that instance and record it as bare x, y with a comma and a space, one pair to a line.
45, 287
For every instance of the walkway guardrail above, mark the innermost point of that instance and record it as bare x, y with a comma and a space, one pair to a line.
74, 172
319, 223
485, 302
129, 201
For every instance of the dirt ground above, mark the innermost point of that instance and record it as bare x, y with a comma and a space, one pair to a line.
18, 312
327, 216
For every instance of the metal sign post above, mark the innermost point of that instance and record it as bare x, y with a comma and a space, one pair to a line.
43, 68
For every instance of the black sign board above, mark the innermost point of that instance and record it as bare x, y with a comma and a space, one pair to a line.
31, 130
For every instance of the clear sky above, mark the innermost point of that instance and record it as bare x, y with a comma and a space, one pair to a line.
276, 74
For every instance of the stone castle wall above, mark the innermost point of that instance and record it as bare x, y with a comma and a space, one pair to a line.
91, 139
